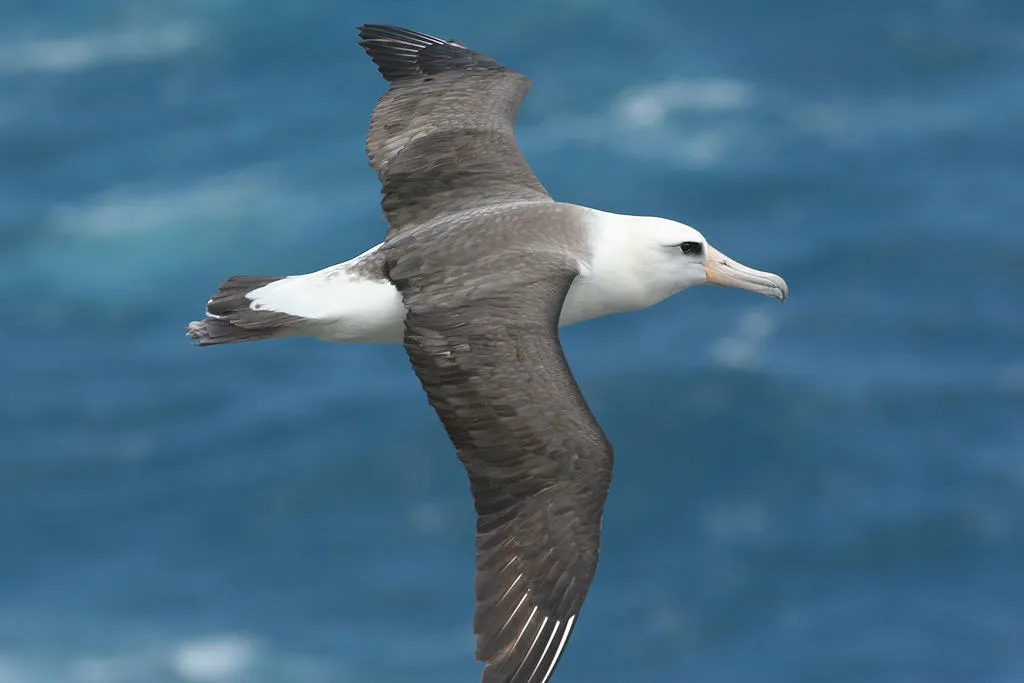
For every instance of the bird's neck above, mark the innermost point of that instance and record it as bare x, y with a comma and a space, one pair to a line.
614, 279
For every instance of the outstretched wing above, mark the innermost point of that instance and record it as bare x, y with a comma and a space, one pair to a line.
442, 137
539, 466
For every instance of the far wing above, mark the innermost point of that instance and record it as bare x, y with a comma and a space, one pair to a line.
442, 138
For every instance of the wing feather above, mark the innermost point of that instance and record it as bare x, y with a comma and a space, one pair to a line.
442, 137
539, 465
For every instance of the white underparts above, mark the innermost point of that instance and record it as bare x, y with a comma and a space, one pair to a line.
623, 272
336, 304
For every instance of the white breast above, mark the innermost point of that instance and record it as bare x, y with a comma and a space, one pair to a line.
616, 278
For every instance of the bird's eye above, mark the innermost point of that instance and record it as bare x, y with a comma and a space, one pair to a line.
691, 248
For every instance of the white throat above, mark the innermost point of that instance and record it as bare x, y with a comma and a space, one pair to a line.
618, 276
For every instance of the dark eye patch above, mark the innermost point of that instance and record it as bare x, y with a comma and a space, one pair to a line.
691, 248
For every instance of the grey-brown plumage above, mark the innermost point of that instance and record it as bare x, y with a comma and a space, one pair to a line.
231, 319
477, 271
442, 137
487, 353
462, 205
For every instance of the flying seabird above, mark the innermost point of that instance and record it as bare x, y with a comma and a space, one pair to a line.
478, 269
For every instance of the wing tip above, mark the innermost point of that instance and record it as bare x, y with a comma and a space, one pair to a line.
540, 658
401, 53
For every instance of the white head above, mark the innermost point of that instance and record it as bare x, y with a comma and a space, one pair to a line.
637, 261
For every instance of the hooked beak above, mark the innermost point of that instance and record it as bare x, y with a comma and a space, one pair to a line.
722, 270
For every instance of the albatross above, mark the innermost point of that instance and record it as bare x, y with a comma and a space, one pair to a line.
478, 269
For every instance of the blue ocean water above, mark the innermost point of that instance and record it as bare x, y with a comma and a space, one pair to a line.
828, 490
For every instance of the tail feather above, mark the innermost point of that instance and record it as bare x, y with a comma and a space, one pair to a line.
230, 297
232, 317
212, 331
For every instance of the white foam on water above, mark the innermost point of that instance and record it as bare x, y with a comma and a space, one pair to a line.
1011, 377
214, 659
648, 105
37, 668
109, 669
730, 522
137, 209
742, 348
866, 122
10, 671
429, 518
79, 53
690, 123
699, 123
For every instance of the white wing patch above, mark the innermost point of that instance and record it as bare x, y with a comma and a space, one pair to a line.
540, 632
558, 650
511, 616
525, 626
554, 632
506, 594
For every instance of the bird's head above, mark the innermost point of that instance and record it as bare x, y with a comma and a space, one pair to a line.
682, 257
641, 260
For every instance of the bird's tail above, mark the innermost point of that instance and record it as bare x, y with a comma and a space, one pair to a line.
233, 317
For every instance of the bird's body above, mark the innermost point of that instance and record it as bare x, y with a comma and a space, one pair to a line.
479, 268
355, 302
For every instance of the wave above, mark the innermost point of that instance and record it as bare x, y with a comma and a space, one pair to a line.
136, 208
213, 658
649, 105
742, 348
707, 122
693, 123
80, 53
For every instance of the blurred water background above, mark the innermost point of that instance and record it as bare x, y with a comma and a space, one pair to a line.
828, 490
